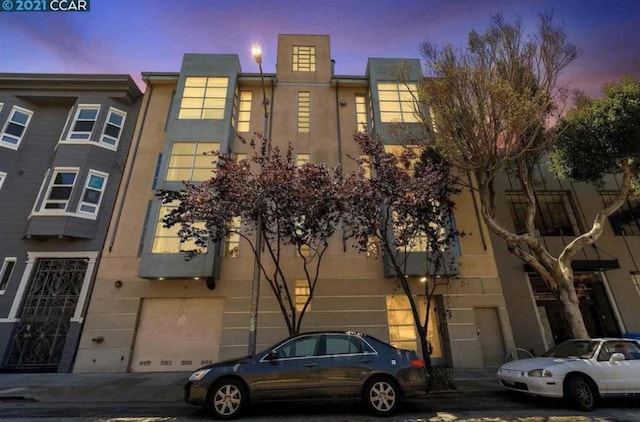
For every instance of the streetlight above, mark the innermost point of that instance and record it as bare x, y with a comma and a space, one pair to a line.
255, 283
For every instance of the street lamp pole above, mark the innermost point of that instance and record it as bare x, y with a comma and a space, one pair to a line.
255, 283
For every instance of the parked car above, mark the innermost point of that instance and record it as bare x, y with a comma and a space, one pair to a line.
311, 366
580, 371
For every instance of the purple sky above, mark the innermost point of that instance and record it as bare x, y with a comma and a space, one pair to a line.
131, 36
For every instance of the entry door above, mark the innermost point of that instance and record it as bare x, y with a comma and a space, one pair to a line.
490, 336
177, 334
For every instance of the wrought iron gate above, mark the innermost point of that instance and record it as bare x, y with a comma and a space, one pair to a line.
39, 339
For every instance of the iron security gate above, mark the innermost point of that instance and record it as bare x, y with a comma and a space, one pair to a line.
39, 339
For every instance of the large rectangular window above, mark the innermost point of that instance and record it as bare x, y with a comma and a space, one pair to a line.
84, 122
92, 193
113, 127
60, 189
626, 220
302, 292
165, 239
5, 272
15, 127
555, 214
402, 331
244, 111
204, 98
398, 102
304, 111
191, 161
304, 58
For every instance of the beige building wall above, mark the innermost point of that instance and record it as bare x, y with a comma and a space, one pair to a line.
352, 291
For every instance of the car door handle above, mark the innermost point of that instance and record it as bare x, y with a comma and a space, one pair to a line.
311, 365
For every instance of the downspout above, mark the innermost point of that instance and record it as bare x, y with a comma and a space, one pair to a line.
128, 178
340, 161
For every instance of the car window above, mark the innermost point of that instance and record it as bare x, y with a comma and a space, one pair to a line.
342, 345
299, 347
629, 349
583, 349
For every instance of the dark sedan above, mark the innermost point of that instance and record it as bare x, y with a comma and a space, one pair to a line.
311, 366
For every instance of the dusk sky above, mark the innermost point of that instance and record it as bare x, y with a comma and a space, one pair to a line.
131, 36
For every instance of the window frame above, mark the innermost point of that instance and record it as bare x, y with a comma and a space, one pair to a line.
82, 202
303, 58
545, 229
631, 206
72, 132
195, 154
25, 126
360, 102
184, 100
405, 112
50, 187
303, 112
4, 277
107, 122
243, 118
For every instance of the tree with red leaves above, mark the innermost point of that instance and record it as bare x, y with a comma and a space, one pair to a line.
394, 205
290, 205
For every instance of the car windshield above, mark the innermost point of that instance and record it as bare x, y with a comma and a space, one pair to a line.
583, 349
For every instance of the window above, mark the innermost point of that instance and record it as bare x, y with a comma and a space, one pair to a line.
554, 213
15, 127
113, 127
60, 189
626, 220
402, 332
5, 272
398, 150
232, 241
204, 98
629, 349
3, 176
336, 344
244, 111
301, 159
165, 239
304, 111
398, 102
156, 172
299, 347
304, 58
83, 124
302, 292
92, 193
361, 113
192, 161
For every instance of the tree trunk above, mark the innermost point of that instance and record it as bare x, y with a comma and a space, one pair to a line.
571, 307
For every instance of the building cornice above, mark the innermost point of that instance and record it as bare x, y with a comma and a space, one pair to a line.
118, 86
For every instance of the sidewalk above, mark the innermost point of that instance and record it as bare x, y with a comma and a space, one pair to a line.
162, 386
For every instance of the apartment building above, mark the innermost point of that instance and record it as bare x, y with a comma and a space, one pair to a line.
64, 141
151, 310
607, 276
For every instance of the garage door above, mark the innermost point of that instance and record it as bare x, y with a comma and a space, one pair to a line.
177, 334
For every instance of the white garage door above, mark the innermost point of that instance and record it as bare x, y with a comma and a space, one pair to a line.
177, 334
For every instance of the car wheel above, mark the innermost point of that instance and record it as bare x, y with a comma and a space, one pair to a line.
227, 399
581, 393
382, 396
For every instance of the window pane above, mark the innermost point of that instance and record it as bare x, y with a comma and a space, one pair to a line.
14, 129
88, 114
83, 126
96, 182
112, 131
91, 196
65, 178
60, 193
20, 117
183, 148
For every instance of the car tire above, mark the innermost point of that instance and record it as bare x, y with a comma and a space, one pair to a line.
227, 399
382, 396
581, 393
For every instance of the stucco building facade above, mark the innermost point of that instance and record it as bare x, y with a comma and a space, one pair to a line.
151, 310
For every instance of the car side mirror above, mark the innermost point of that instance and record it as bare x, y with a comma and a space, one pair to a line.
616, 357
272, 356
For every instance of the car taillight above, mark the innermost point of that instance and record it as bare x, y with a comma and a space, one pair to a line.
418, 363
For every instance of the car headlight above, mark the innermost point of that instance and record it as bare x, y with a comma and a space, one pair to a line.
540, 373
196, 376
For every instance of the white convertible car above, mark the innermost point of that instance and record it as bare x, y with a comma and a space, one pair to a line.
578, 370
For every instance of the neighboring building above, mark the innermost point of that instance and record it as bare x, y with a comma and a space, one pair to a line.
607, 274
153, 311
64, 141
